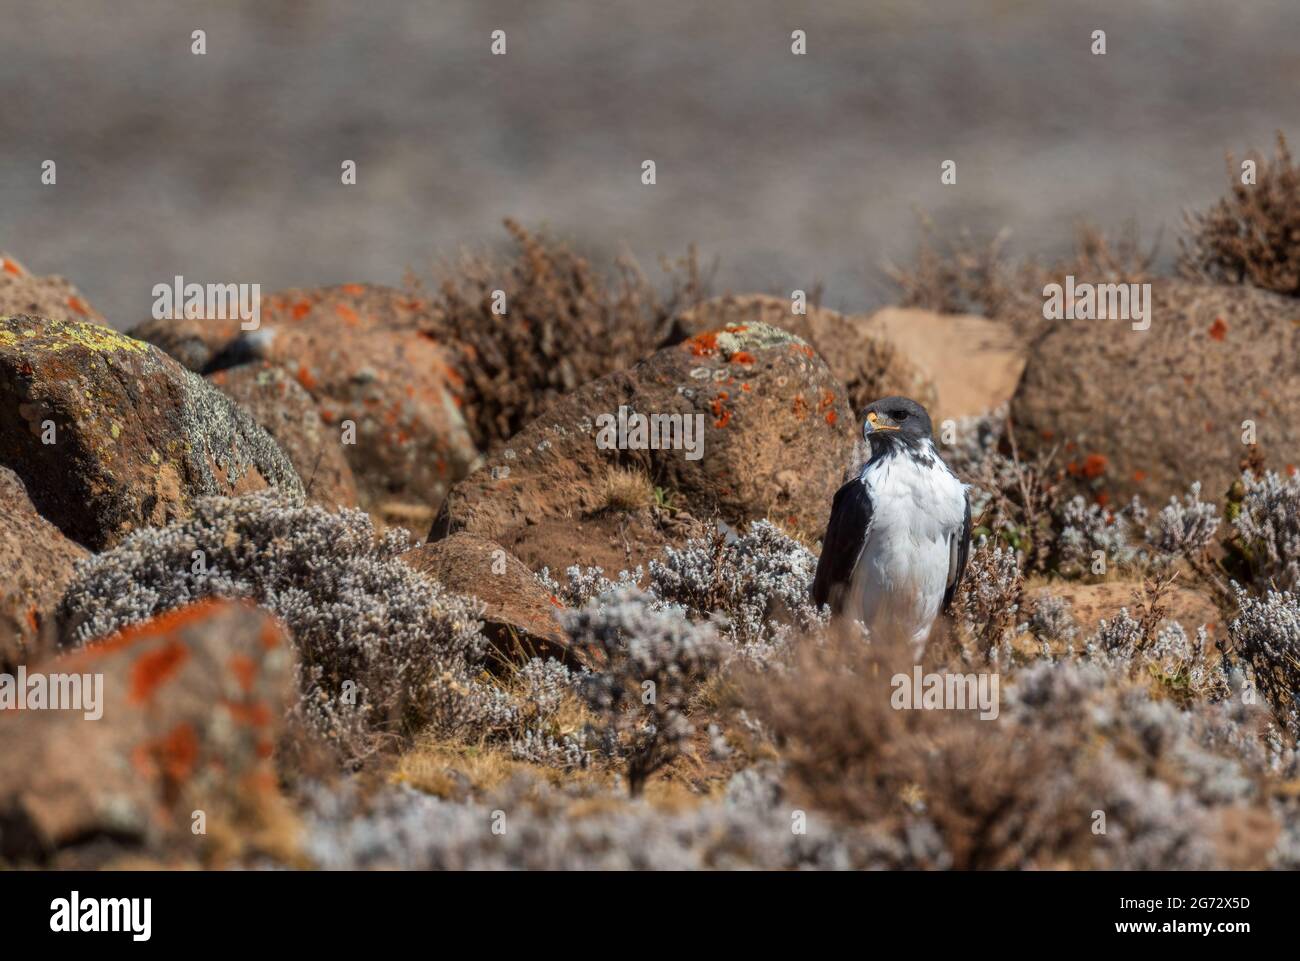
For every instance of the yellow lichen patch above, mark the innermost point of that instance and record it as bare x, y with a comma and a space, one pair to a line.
58, 335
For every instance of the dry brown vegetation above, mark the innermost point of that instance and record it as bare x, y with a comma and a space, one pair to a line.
566, 322
1251, 236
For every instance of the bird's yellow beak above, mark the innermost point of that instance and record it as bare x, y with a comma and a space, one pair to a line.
876, 424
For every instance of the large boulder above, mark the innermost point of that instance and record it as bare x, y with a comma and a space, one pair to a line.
185, 724
869, 365
36, 563
22, 292
973, 362
777, 431
287, 412
365, 356
110, 434
1149, 411
518, 615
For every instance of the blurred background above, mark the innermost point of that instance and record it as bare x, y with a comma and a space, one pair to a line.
789, 170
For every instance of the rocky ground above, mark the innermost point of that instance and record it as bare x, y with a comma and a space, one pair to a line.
364, 591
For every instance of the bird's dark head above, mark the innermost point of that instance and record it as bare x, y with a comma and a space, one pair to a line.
895, 418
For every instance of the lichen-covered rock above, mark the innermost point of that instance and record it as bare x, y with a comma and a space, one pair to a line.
36, 563
365, 356
518, 615
21, 292
1147, 411
868, 364
188, 711
288, 413
193, 341
109, 434
774, 433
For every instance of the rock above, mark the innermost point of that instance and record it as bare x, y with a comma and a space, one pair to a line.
777, 430
519, 615
23, 293
189, 712
869, 365
36, 563
1148, 412
192, 341
287, 412
135, 436
973, 362
364, 355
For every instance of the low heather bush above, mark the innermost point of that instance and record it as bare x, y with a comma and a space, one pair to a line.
1266, 633
383, 650
1266, 528
1087, 528
758, 583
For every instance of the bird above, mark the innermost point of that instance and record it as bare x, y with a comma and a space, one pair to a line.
899, 532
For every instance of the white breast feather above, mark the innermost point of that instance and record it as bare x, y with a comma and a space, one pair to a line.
902, 574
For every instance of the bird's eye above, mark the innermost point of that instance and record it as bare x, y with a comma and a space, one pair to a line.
898, 414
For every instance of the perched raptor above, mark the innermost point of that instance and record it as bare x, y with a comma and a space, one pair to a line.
899, 533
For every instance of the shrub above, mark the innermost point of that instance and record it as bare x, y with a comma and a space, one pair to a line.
1251, 236
758, 583
408, 652
988, 601
1087, 528
1266, 632
650, 656
566, 324
1184, 529
1266, 529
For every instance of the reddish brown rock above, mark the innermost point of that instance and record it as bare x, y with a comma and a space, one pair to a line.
519, 615
869, 365
36, 563
287, 412
21, 292
1148, 412
192, 341
777, 432
109, 434
192, 703
364, 355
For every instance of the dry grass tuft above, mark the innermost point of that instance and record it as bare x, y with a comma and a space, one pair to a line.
627, 489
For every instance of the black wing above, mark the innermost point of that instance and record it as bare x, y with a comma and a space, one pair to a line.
960, 548
846, 535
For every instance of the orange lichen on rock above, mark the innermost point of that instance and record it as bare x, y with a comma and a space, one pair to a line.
12, 268
702, 345
155, 668
742, 357
174, 755
1219, 329
244, 669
